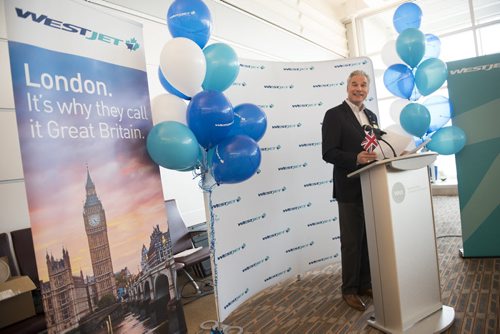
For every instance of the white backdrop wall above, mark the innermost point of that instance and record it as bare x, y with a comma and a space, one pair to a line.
283, 220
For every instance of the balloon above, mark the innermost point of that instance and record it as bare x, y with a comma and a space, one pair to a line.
210, 116
210, 157
396, 107
167, 107
430, 75
410, 46
183, 65
398, 79
169, 87
222, 67
198, 161
447, 140
235, 159
190, 19
415, 94
420, 140
440, 109
172, 145
415, 119
389, 54
408, 15
432, 47
249, 120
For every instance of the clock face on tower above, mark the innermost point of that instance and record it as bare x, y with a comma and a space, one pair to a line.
95, 220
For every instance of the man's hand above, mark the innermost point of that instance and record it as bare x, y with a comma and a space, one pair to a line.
365, 157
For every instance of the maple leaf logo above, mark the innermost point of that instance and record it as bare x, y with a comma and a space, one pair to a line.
132, 44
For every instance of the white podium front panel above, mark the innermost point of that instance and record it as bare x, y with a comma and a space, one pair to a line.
402, 246
415, 245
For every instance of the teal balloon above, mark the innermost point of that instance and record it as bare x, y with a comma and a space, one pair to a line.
198, 163
430, 75
410, 46
447, 140
415, 119
223, 67
173, 145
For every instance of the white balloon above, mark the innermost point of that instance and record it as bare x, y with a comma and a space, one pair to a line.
183, 64
389, 54
167, 107
396, 107
397, 136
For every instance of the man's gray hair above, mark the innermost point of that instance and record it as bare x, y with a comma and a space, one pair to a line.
358, 72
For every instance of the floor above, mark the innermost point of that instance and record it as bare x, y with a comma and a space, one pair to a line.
314, 304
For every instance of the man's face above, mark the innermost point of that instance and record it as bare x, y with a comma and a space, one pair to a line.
357, 90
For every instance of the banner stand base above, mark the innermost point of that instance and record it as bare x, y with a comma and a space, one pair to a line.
437, 322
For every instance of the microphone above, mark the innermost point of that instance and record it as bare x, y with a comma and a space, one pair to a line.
379, 133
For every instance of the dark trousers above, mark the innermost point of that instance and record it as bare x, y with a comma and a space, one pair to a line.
354, 248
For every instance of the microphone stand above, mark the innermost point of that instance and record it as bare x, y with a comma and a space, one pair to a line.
378, 134
385, 141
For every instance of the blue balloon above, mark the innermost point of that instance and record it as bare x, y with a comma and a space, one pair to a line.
398, 79
415, 119
448, 140
173, 145
249, 120
408, 15
432, 47
190, 19
235, 159
430, 75
410, 46
164, 82
210, 116
441, 111
223, 67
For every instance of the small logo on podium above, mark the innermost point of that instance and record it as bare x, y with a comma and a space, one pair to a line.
398, 192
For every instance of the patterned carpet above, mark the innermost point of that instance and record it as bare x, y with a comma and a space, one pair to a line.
314, 304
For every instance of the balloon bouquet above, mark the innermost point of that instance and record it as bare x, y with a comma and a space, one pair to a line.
208, 134
421, 74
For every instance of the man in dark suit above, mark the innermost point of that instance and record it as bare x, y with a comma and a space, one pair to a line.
342, 134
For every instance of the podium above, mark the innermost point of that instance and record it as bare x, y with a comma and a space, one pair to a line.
402, 246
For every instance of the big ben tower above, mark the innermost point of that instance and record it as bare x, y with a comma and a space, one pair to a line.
97, 235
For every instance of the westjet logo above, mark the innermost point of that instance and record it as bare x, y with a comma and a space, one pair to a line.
463, 70
130, 44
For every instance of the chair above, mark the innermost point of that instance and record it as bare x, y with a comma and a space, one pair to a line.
22, 243
186, 255
5, 250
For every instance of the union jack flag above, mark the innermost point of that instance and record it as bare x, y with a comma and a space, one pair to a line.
370, 142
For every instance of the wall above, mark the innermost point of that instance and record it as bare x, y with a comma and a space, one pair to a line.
252, 38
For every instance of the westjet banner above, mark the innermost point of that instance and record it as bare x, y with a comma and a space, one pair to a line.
282, 221
94, 196
474, 93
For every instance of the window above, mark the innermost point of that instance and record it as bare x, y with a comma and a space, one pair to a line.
466, 29
488, 39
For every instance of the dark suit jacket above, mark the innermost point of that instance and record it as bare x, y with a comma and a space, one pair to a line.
341, 142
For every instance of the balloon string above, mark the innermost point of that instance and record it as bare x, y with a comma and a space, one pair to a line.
211, 234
